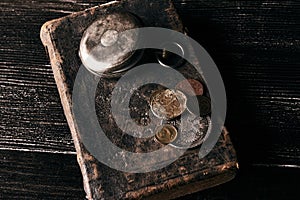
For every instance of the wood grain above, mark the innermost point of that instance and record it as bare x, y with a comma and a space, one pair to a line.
32, 175
31, 113
27, 175
254, 43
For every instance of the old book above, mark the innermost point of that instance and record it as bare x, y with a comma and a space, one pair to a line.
187, 174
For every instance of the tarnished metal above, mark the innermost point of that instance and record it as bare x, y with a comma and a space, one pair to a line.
168, 104
169, 59
166, 134
190, 87
191, 131
103, 50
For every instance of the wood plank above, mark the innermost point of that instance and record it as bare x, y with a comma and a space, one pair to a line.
254, 43
31, 176
31, 113
28, 175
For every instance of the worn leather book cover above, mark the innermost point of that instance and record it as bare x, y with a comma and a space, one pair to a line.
187, 174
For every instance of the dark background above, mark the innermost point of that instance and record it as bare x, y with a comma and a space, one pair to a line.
255, 44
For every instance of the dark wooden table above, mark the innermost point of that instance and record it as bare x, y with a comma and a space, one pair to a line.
256, 45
